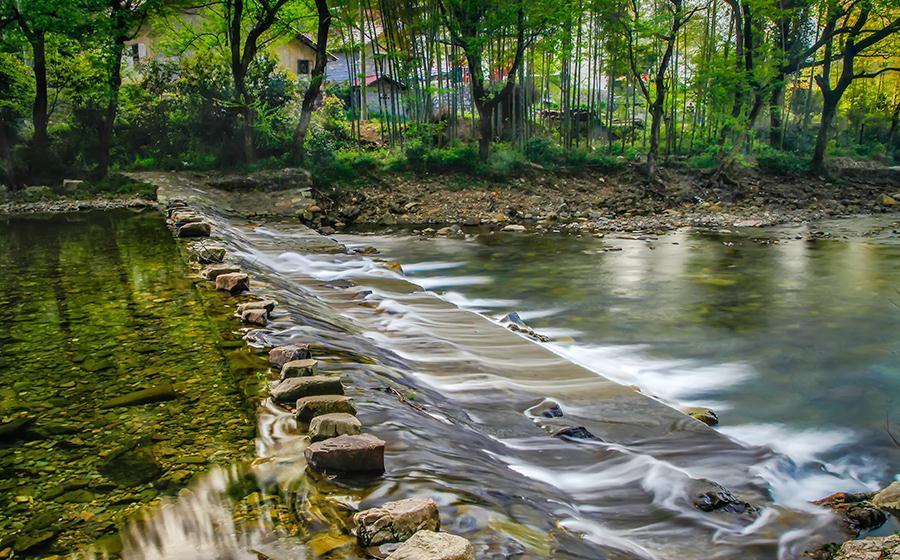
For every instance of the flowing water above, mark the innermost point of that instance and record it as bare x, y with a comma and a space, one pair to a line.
715, 319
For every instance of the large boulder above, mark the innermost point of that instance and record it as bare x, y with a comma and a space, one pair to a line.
889, 498
289, 390
347, 454
396, 521
299, 368
289, 353
310, 407
333, 425
214, 271
194, 229
234, 283
872, 548
428, 545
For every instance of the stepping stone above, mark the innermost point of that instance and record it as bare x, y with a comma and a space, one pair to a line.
299, 368
334, 425
258, 317
289, 390
209, 255
267, 304
396, 521
214, 271
182, 214
310, 407
234, 283
194, 229
428, 545
284, 354
347, 454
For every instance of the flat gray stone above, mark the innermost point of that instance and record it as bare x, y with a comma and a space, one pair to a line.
289, 353
289, 390
258, 317
267, 304
347, 454
194, 229
299, 368
310, 407
214, 271
396, 521
333, 425
234, 283
428, 545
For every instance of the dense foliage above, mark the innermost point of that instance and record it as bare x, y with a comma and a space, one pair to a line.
481, 86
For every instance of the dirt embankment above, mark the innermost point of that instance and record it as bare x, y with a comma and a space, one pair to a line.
600, 200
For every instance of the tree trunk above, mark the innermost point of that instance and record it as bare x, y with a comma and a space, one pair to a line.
6, 159
776, 116
108, 121
317, 76
656, 111
485, 129
895, 120
40, 163
829, 107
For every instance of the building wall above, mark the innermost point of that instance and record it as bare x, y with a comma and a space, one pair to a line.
288, 55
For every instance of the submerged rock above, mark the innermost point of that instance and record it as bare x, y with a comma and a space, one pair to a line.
194, 229
258, 317
574, 433
362, 453
333, 425
396, 521
872, 548
716, 498
429, 545
284, 354
131, 465
233, 283
16, 427
162, 392
209, 255
291, 389
310, 407
299, 368
889, 498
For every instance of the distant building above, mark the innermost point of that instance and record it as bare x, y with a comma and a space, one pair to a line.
295, 55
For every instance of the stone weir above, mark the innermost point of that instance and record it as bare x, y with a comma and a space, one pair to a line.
471, 427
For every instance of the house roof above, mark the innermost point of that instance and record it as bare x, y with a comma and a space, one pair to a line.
372, 79
306, 40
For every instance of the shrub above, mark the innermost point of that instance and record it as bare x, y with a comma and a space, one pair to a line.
770, 159
504, 161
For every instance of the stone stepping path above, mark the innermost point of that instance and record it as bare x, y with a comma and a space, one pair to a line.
338, 445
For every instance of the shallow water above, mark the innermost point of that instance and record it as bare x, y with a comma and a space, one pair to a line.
93, 307
792, 337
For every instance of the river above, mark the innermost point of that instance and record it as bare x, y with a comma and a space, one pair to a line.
793, 343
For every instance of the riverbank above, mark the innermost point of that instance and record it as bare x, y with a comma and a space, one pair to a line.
603, 200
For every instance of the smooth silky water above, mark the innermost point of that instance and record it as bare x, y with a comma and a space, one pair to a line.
456, 397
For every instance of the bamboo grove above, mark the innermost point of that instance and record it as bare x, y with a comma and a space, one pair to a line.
719, 82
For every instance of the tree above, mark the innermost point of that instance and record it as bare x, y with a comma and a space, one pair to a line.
258, 17
317, 77
654, 92
473, 25
117, 22
848, 22
36, 19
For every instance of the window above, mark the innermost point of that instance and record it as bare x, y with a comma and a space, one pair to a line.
303, 67
135, 53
